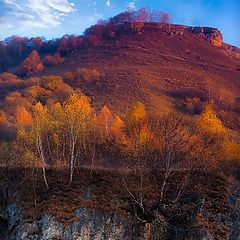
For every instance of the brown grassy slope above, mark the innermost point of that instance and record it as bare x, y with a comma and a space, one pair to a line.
158, 68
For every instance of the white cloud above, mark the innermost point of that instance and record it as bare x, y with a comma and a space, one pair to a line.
27, 14
131, 5
108, 3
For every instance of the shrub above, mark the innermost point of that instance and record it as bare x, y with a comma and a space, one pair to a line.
54, 60
87, 75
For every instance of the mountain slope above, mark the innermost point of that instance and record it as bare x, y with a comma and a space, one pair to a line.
158, 68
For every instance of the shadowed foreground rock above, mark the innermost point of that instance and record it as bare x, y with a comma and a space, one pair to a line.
92, 225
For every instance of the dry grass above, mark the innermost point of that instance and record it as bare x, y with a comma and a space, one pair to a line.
157, 68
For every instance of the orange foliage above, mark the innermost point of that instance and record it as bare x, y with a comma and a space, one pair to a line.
23, 117
117, 128
3, 117
105, 119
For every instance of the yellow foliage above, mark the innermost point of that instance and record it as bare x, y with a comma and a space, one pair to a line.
39, 109
79, 106
137, 114
25, 143
40, 116
209, 121
117, 128
145, 134
118, 124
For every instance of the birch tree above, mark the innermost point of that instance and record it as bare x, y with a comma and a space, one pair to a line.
78, 113
40, 129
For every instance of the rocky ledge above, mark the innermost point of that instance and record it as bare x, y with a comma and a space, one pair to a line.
212, 35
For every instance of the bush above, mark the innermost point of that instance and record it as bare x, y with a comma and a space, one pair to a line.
54, 60
87, 75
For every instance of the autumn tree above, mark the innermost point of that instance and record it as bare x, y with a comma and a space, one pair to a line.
143, 15
97, 30
136, 158
212, 135
23, 117
32, 64
58, 89
118, 129
104, 122
15, 99
31, 142
137, 126
78, 116
40, 129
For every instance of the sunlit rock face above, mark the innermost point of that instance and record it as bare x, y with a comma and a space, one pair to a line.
212, 35
209, 34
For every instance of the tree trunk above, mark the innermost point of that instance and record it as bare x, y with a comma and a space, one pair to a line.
40, 150
72, 163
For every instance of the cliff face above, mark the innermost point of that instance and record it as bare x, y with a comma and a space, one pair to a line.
212, 35
92, 224
209, 34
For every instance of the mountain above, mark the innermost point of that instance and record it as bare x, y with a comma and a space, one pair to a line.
159, 67
131, 176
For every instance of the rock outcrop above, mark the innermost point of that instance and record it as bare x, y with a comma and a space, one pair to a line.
92, 224
209, 34
220, 220
212, 35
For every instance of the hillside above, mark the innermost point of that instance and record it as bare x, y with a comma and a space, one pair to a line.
131, 131
158, 68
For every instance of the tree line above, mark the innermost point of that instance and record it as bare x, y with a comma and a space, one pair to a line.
72, 134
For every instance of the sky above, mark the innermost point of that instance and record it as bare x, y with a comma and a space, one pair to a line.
55, 18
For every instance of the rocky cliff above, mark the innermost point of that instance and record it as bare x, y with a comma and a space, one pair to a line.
209, 34
96, 224
212, 35
90, 224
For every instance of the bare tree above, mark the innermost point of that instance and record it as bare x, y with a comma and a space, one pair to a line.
165, 18
168, 151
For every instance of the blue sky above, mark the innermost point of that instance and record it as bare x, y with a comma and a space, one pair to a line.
54, 18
